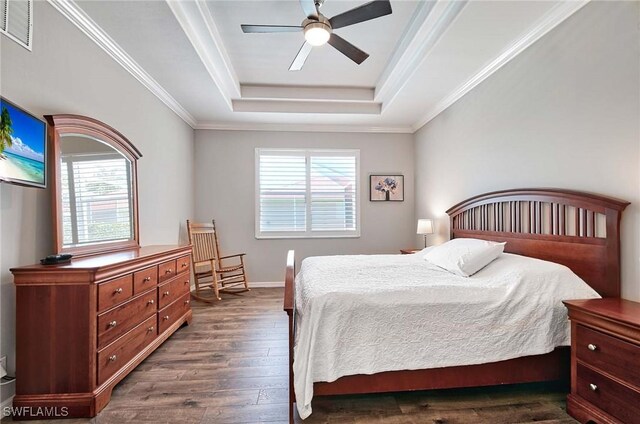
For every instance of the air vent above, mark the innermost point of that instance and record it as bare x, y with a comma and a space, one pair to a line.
16, 20
3, 15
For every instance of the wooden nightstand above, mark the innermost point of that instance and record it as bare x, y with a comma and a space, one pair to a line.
605, 361
409, 251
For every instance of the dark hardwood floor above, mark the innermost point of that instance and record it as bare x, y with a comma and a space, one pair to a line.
230, 366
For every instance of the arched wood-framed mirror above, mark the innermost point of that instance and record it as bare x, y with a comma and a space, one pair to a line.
94, 186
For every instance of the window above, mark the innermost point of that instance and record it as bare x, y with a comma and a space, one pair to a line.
94, 210
307, 193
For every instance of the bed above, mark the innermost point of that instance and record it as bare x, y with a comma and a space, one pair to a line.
578, 230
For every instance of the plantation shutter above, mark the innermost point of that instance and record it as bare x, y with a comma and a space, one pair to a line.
333, 193
99, 206
306, 193
282, 192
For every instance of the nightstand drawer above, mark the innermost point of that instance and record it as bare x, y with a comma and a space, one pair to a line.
608, 354
604, 393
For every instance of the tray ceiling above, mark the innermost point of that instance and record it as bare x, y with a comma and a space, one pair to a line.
423, 57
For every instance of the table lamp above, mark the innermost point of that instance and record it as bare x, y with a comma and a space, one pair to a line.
425, 226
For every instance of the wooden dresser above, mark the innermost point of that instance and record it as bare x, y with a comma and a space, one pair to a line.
605, 361
82, 327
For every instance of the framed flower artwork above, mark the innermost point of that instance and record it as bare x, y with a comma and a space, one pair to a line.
386, 188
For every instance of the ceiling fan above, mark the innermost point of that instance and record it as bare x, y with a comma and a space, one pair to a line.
318, 30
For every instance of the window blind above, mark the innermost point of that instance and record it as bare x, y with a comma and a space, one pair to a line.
96, 201
306, 193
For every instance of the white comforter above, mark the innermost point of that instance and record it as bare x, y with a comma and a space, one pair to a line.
372, 313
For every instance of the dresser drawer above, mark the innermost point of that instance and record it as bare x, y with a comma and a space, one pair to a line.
114, 357
145, 279
172, 290
115, 291
613, 398
182, 264
173, 312
114, 323
609, 354
166, 270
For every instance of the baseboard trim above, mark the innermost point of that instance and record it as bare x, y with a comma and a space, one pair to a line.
5, 404
266, 284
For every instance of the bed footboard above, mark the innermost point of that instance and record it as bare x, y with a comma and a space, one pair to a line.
290, 309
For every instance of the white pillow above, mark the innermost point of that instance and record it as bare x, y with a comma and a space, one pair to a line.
463, 256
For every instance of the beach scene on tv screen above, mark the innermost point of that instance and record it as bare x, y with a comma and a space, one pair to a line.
22, 146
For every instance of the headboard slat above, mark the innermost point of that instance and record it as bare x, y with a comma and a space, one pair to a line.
536, 222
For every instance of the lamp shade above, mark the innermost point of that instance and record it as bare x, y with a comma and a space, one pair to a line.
425, 226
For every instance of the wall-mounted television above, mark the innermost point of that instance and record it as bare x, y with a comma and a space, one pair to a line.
23, 146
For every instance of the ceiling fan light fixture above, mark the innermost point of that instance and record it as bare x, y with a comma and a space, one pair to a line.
317, 33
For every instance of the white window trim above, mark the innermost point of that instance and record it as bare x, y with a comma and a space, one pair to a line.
308, 234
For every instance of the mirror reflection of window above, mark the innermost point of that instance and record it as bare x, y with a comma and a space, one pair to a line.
96, 193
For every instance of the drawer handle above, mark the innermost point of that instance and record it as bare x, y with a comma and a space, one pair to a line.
118, 290
592, 347
186, 302
166, 293
113, 358
150, 302
166, 317
169, 271
150, 329
113, 324
593, 387
184, 265
186, 282
146, 279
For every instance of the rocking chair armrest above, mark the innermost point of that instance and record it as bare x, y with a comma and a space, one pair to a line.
232, 256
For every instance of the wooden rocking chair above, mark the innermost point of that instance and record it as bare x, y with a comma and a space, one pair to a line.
207, 264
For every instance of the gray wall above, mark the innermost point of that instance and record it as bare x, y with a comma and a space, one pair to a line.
225, 180
67, 73
562, 114
565, 113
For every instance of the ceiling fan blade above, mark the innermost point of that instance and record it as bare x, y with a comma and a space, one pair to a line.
348, 49
250, 29
309, 8
366, 12
301, 57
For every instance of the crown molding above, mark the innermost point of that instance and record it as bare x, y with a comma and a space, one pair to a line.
428, 25
552, 19
306, 92
197, 23
246, 126
70, 10
306, 106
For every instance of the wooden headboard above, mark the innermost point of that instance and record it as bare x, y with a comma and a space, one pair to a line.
576, 229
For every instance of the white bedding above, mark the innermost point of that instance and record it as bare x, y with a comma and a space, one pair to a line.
366, 314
